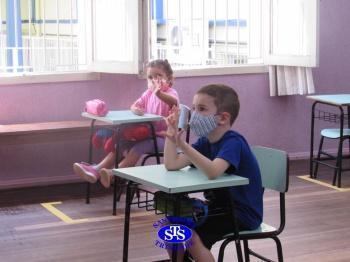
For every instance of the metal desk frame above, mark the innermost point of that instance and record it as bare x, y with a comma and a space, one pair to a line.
117, 119
339, 101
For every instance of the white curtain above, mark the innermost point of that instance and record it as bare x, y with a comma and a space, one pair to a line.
290, 80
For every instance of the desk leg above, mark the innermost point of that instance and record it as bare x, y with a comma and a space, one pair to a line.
339, 164
153, 132
311, 171
236, 231
92, 129
115, 187
127, 222
175, 247
348, 112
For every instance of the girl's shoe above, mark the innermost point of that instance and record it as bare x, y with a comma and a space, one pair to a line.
86, 172
106, 177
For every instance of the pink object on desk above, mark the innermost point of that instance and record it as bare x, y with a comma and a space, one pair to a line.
96, 107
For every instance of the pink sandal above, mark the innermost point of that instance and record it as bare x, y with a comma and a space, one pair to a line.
86, 172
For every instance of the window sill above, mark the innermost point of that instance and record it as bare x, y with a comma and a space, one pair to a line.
242, 69
48, 78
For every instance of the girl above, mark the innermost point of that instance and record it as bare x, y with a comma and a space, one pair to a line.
158, 99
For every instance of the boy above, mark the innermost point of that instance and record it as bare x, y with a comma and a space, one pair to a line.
218, 150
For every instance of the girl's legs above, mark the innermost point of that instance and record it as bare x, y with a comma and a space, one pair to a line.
107, 162
131, 158
91, 173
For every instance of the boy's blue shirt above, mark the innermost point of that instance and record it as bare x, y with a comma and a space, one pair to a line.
248, 199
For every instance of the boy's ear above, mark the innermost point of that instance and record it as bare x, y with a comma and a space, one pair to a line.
224, 118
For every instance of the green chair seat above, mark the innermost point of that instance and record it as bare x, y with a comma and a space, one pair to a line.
263, 228
334, 133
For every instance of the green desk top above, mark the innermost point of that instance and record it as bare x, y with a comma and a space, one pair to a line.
338, 100
123, 117
185, 180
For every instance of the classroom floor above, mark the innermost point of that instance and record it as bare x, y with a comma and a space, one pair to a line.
54, 224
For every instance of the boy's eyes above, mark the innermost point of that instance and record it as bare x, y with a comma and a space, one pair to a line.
199, 109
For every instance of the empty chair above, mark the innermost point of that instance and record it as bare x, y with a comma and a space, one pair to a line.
273, 165
323, 156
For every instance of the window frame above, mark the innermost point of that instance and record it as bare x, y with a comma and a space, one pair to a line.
141, 48
127, 67
199, 71
312, 20
49, 78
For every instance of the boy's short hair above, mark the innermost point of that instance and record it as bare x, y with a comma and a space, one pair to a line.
225, 99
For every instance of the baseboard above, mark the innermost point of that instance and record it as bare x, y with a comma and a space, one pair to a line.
39, 181
306, 155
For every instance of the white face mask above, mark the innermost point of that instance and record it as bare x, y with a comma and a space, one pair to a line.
202, 125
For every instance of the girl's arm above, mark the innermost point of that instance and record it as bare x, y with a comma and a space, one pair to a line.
166, 98
137, 110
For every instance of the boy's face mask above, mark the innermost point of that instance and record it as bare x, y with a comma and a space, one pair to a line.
202, 125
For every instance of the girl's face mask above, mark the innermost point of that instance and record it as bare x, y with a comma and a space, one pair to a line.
202, 125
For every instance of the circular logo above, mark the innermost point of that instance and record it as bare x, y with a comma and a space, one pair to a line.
175, 233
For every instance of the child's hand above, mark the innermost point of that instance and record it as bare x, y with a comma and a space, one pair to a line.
158, 84
137, 111
172, 120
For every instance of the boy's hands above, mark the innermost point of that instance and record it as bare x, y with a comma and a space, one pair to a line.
173, 133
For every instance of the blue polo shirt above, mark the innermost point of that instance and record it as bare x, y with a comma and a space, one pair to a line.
248, 199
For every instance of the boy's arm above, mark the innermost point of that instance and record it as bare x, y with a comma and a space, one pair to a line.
175, 161
211, 168
172, 159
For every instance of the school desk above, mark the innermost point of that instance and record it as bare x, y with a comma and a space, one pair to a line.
116, 119
338, 101
184, 181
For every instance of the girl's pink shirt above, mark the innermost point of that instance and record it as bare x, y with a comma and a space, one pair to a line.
151, 104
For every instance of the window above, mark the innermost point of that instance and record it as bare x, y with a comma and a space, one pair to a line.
49, 36
293, 31
115, 36
206, 33
40, 36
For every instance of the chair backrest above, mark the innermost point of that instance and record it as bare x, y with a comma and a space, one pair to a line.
273, 166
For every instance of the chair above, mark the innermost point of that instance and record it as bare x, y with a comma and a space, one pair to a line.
332, 133
185, 116
273, 165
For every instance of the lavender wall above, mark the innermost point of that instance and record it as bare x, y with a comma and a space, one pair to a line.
281, 122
